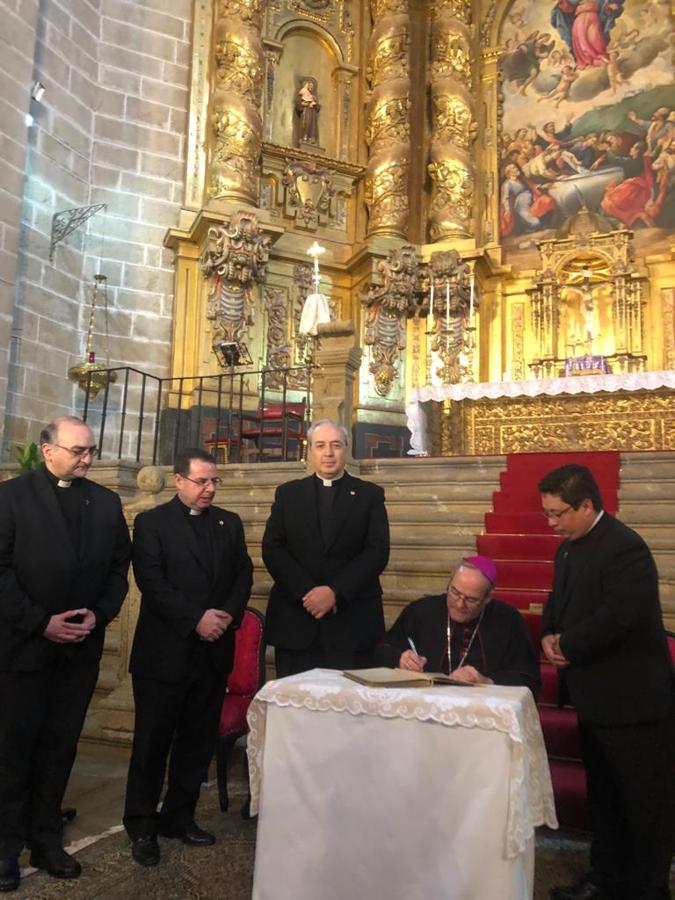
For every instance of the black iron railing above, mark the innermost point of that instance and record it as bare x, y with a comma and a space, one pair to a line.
238, 416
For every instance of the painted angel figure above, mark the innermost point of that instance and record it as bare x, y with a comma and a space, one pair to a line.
585, 25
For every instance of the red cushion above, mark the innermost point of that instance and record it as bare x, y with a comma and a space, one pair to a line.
245, 675
233, 714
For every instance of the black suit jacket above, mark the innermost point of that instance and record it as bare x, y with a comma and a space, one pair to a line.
298, 560
609, 617
179, 582
42, 573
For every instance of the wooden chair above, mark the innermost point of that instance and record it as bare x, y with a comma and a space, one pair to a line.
224, 445
276, 430
244, 681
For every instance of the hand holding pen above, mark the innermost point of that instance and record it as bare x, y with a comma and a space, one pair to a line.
411, 660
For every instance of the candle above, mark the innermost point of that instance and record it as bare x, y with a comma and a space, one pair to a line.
471, 296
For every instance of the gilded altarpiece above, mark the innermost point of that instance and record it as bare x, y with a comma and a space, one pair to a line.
474, 128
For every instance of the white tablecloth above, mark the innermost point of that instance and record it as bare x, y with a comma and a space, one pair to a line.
574, 384
386, 793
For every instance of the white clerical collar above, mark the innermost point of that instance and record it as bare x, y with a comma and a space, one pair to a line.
329, 482
596, 520
62, 483
195, 512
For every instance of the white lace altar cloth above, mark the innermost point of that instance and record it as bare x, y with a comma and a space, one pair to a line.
576, 384
510, 711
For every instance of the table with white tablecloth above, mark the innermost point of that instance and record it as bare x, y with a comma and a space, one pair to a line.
395, 792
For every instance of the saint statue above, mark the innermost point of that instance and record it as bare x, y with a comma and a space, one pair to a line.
307, 109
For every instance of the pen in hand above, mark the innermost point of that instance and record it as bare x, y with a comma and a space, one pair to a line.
417, 664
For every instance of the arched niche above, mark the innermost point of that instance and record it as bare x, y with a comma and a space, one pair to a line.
308, 52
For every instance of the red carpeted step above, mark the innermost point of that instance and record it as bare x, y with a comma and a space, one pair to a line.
529, 501
521, 599
515, 547
516, 523
538, 575
561, 732
538, 464
533, 622
569, 788
548, 695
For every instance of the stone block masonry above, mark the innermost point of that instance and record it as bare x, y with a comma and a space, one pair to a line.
111, 128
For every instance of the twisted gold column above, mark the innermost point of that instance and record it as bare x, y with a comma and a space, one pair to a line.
453, 125
388, 122
238, 65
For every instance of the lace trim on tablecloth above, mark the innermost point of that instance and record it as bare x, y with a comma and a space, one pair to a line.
511, 711
573, 384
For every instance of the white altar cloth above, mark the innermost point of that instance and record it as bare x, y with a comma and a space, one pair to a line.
574, 384
405, 792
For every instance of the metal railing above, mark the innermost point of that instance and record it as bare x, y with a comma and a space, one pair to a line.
139, 416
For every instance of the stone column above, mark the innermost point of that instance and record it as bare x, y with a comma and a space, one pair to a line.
238, 66
453, 122
388, 122
338, 358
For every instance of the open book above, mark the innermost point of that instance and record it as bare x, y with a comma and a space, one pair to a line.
383, 677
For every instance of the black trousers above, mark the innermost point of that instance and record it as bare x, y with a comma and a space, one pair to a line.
180, 719
629, 770
316, 656
41, 717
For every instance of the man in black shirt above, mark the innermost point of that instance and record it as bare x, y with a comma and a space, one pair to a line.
464, 633
602, 630
64, 556
325, 544
195, 576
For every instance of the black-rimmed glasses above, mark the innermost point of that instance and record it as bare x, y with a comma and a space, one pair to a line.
204, 482
78, 451
555, 513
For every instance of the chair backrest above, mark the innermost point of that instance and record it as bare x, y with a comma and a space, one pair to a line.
670, 637
248, 669
278, 410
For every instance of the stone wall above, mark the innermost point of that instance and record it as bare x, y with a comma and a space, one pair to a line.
111, 129
17, 46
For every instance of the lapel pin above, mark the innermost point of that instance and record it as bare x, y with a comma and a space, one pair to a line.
220, 522
353, 493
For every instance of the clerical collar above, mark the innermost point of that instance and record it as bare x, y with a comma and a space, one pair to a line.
595, 522
59, 482
187, 510
329, 482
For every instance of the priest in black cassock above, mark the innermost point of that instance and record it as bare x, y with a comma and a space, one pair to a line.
464, 632
603, 631
195, 575
64, 556
325, 544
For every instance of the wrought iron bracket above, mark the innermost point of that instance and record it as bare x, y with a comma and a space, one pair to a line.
69, 220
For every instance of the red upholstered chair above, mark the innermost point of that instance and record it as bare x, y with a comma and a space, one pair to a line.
275, 430
245, 679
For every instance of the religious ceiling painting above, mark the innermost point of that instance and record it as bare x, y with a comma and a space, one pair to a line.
588, 122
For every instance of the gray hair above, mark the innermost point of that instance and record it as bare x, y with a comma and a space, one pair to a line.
344, 434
